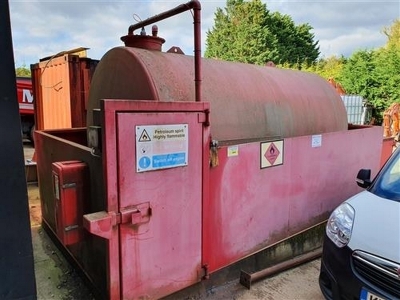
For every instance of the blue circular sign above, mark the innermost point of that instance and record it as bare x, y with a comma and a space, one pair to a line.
144, 162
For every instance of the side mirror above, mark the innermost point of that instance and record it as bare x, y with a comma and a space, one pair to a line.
364, 178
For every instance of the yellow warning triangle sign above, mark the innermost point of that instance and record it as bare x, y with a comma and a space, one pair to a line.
144, 137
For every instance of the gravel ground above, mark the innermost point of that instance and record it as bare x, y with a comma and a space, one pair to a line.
55, 278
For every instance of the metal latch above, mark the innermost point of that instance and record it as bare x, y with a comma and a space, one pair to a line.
102, 223
135, 215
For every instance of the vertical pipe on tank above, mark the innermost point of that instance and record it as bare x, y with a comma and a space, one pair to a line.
196, 6
197, 49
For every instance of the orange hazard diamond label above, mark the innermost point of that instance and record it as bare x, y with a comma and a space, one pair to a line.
271, 154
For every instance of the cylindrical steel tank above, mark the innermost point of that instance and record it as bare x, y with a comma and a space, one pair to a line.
247, 101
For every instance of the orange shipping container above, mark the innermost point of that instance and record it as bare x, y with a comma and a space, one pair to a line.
60, 86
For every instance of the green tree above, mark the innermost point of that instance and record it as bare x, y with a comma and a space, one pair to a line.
295, 44
240, 34
393, 34
356, 77
387, 78
330, 67
374, 74
246, 31
22, 71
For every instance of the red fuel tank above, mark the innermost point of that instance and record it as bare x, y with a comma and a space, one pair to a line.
247, 101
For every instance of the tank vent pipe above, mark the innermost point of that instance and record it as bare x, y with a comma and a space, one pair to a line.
196, 6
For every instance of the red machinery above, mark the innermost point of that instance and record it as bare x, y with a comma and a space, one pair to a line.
183, 180
25, 103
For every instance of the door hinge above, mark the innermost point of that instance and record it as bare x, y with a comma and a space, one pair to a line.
204, 118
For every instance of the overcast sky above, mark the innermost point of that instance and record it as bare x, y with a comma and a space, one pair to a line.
43, 28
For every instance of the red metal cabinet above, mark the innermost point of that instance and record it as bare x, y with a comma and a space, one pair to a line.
160, 244
69, 182
156, 161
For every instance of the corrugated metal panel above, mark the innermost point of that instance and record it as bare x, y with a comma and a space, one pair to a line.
355, 109
81, 72
60, 86
55, 93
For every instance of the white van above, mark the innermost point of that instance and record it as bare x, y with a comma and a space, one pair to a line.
361, 251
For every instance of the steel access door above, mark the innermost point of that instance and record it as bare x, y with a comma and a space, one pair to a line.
160, 201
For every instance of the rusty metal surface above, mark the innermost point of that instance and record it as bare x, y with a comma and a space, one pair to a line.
246, 278
81, 73
64, 145
247, 101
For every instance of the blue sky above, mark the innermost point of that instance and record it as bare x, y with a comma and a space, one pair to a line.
42, 28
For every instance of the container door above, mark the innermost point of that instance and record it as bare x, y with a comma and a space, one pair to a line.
160, 196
